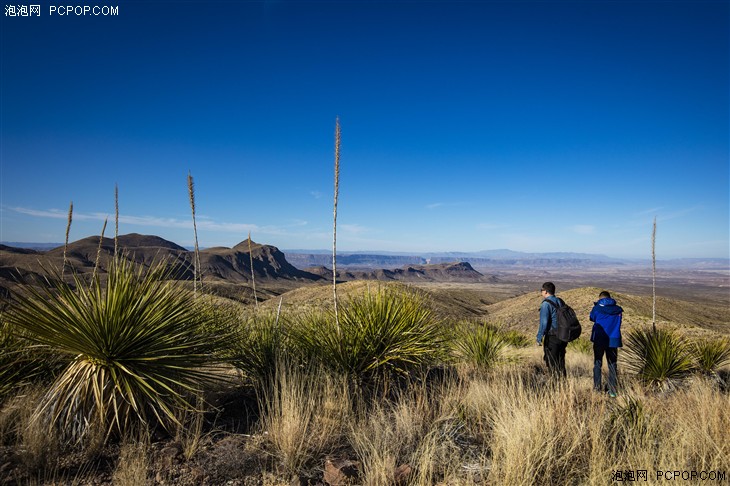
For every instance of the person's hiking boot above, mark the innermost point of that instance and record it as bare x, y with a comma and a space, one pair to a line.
612, 394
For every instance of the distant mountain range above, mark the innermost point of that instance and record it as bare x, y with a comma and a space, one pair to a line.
489, 259
219, 265
443, 272
368, 260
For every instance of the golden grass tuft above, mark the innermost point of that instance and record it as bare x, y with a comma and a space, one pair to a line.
303, 416
133, 464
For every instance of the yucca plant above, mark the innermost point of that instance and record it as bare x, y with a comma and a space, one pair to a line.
659, 357
581, 345
380, 334
627, 419
515, 339
22, 363
137, 348
483, 348
711, 354
258, 347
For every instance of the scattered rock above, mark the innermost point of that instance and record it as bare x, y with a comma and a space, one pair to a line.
340, 472
402, 474
171, 454
5, 469
304, 481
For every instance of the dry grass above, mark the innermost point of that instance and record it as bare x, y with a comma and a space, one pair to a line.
37, 449
418, 438
132, 467
539, 432
512, 425
190, 429
302, 417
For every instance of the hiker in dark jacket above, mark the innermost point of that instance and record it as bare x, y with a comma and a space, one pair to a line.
553, 348
606, 337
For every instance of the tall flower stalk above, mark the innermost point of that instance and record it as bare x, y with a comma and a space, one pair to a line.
653, 277
253, 276
334, 224
196, 256
98, 252
116, 220
68, 230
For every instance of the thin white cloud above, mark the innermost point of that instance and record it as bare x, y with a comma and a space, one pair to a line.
490, 226
583, 229
648, 211
50, 213
663, 216
677, 214
206, 224
443, 204
315, 194
354, 229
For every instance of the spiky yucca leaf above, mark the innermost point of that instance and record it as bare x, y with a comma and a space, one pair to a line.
137, 346
259, 347
22, 363
659, 357
582, 345
516, 339
483, 347
382, 332
711, 354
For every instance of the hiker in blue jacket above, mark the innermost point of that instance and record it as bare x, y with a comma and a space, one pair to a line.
606, 337
553, 348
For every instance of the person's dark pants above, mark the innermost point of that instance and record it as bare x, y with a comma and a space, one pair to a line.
554, 350
611, 358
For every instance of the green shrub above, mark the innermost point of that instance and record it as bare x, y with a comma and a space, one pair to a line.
380, 334
137, 346
482, 347
258, 347
515, 339
711, 354
22, 363
581, 345
659, 358
627, 422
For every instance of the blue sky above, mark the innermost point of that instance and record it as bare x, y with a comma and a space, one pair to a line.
533, 126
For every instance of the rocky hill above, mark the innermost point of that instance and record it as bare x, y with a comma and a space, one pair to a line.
443, 272
521, 313
356, 260
228, 265
234, 264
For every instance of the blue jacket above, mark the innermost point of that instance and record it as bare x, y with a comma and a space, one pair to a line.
548, 316
606, 316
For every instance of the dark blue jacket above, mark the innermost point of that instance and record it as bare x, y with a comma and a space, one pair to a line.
606, 316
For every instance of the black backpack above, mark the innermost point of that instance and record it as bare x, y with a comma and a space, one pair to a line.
568, 328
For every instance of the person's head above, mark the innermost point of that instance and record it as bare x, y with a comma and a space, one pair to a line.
548, 288
604, 295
